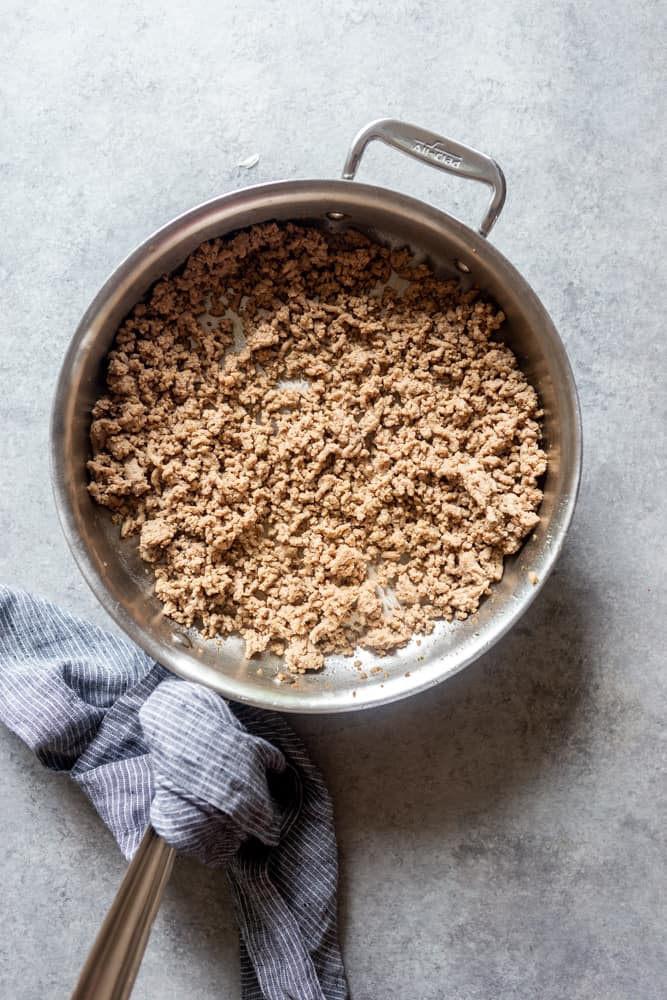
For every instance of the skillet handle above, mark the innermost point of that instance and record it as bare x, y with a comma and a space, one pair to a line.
114, 959
437, 151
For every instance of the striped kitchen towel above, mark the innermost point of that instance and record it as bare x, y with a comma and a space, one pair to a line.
221, 782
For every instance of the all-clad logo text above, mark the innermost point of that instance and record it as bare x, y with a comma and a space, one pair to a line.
437, 152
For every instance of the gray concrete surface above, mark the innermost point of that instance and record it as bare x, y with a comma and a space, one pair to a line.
504, 835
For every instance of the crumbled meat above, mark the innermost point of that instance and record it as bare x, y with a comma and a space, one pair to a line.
310, 458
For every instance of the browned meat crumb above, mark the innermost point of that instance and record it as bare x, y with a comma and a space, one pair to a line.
352, 472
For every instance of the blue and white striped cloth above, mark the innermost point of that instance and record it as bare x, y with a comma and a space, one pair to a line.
221, 782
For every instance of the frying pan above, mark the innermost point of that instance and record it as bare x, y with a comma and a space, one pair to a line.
112, 567
123, 583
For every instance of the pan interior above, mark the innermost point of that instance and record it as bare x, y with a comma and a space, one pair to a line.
124, 583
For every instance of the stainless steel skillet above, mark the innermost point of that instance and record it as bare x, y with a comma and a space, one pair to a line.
113, 569
122, 583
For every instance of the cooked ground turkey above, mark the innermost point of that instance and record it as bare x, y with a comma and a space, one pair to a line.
313, 458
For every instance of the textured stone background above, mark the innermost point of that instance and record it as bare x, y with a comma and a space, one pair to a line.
502, 836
